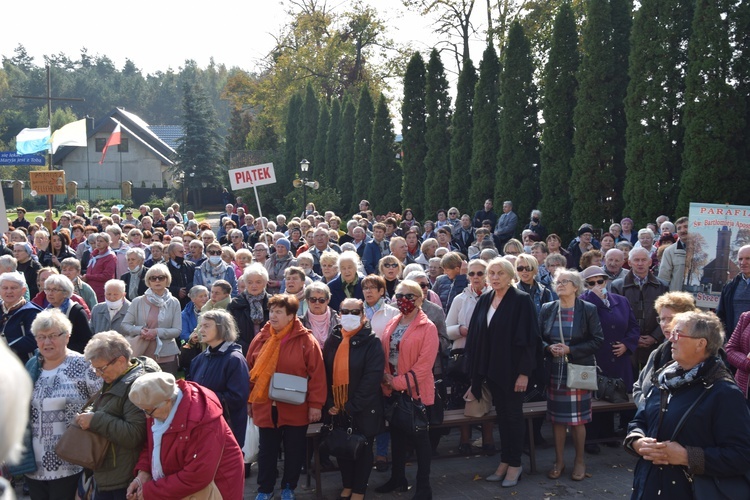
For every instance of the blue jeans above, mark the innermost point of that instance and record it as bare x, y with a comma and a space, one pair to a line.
381, 444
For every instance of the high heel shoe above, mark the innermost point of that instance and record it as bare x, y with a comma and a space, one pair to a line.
509, 483
579, 473
555, 473
393, 485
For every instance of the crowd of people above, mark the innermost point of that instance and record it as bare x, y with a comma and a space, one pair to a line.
165, 337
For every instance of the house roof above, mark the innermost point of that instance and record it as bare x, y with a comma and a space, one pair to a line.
137, 130
168, 133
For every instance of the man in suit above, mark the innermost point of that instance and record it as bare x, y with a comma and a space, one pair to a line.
320, 245
506, 225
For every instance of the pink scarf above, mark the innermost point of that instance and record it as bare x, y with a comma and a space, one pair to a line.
319, 324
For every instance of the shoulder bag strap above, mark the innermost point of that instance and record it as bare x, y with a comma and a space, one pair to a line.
416, 384
685, 415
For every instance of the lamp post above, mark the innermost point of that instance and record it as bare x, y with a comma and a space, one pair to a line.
304, 165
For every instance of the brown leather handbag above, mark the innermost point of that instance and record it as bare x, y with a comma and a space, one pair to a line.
85, 448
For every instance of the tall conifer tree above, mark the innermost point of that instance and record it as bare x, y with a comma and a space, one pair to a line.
319, 157
557, 134
332, 144
518, 158
622, 21
485, 134
307, 123
362, 147
462, 128
413, 127
291, 161
385, 171
346, 153
437, 161
592, 183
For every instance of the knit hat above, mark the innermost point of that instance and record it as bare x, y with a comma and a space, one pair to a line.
152, 389
585, 229
628, 219
285, 242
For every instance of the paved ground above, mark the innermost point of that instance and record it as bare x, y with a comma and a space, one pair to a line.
610, 476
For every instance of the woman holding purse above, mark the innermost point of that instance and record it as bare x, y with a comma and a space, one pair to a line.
354, 360
570, 331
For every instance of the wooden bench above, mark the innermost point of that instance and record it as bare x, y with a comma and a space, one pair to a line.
456, 418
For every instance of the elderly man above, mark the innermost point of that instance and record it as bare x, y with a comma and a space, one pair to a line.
108, 315
735, 297
672, 267
464, 234
228, 215
613, 262
349, 236
400, 250
506, 225
182, 271
321, 244
642, 288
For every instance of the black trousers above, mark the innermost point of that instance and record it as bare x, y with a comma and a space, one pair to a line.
509, 409
54, 489
356, 473
294, 441
422, 448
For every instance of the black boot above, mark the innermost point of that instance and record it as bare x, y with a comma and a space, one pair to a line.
393, 485
423, 493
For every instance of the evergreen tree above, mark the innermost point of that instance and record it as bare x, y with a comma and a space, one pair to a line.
362, 148
319, 156
557, 134
344, 172
592, 183
385, 171
199, 149
285, 175
741, 73
485, 135
714, 118
462, 128
518, 158
239, 126
414, 146
332, 145
622, 21
654, 105
307, 123
437, 160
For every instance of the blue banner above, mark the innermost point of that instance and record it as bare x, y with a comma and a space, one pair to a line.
13, 158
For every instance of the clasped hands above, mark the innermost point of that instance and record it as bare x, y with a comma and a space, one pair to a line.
661, 452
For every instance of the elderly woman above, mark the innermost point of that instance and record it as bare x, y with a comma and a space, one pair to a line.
570, 331
502, 342
284, 345
260, 252
223, 369
58, 290
198, 297
347, 283
214, 268
695, 426
242, 259
189, 448
153, 321
235, 238
320, 318
102, 265
621, 333
63, 382
27, 266
390, 269
135, 278
427, 249
306, 261
527, 267
353, 357
71, 269
608, 242
277, 263
113, 415
329, 266
738, 352
18, 314
250, 308
410, 343
109, 314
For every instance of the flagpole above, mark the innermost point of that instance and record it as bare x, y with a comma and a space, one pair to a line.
49, 124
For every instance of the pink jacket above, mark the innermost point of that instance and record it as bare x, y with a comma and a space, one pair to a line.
737, 349
417, 351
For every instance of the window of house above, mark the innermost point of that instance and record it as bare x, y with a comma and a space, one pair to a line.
100, 143
123, 146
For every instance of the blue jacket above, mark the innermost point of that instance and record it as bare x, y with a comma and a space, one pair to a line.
725, 309
448, 290
337, 292
189, 321
224, 371
17, 330
371, 257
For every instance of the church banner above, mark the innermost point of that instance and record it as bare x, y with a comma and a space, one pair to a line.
717, 232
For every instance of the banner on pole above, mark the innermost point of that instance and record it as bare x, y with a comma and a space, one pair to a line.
252, 176
48, 182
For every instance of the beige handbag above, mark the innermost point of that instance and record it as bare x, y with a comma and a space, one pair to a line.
211, 491
479, 407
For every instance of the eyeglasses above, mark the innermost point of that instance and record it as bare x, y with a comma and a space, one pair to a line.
236, 236
317, 300
476, 273
408, 296
102, 369
215, 252
42, 338
521, 269
391, 265
151, 412
53, 290
677, 335
157, 278
595, 282
366, 288
424, 286
564, 282
355, 312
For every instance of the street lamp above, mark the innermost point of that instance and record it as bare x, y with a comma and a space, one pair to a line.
304, 165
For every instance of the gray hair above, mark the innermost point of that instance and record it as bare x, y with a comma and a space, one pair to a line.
348, 247
556, 259
505, 265
349, 256
415, 275
113, 229
646, 230
108, 346
119, 284
705, 325
197, 289
159, 269
62, 282
9, 262
51, 319
317, 286
69, 262
256, 269
306, 257
105, 236
488, 254
226, 327
638, 250
411, 268
573, 276
138, 252
15, 277
669, 225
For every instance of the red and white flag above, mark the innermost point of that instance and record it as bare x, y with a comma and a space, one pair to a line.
113, 140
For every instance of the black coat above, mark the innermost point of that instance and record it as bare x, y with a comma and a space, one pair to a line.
142, 287
366, 363
182, 278
587, 331
507, 347
81, 333
30, 270
239, 308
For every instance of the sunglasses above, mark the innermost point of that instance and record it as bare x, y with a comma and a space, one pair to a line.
215, 252
157, 278
317, 300
407, 296
391, 266
476, 273
424, 286
521, 269
355, 312
595, 282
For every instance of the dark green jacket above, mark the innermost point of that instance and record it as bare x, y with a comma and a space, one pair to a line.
124, 424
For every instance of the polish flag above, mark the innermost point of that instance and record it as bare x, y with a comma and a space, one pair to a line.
113, 140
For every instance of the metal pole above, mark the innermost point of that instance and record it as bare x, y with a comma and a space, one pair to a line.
304, 196
260, 212
49, 124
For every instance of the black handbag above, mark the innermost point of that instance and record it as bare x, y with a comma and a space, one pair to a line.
456, 369
343, 442
611, 389
436, 412
405, 413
